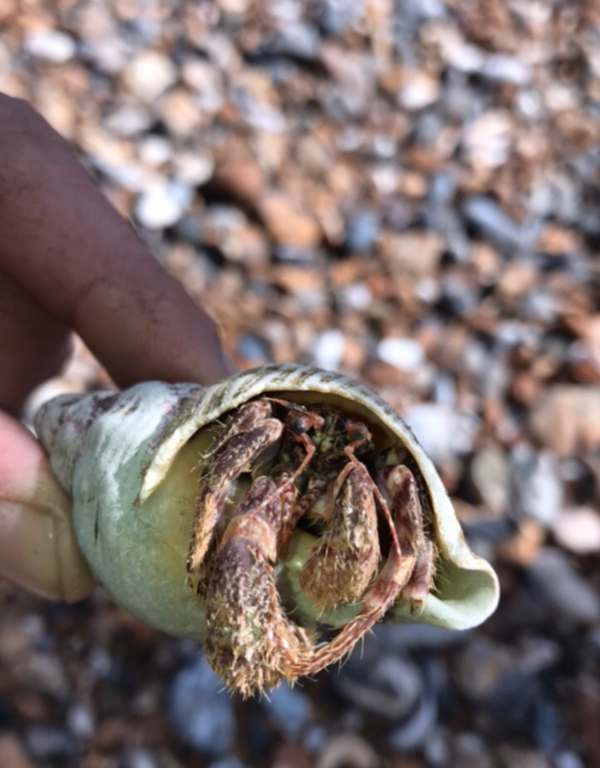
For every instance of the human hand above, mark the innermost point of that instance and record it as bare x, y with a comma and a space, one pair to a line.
68, 261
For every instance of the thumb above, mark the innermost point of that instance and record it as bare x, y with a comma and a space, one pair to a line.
38, 549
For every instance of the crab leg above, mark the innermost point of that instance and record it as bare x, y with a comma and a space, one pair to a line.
407, 567
248, 436
343, 565
248, 632
392, 579
403, 488
298, 421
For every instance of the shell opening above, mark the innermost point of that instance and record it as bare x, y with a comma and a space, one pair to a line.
281, 469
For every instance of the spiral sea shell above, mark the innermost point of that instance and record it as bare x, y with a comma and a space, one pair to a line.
132, 461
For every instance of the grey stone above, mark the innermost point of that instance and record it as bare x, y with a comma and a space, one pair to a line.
565, 593
290, 709
498, 226
200, 711
536, 486
51, 45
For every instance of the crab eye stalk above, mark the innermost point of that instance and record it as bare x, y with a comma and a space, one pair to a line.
259, 514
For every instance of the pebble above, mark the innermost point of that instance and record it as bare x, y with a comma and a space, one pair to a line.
200, 711
12, 754
437, 748
80, 720
506, 69
328, 349
227, 762
347, 751
454, 49
491, 478
140, 758
568, 760
295, 39
481, 667
51, 45
457, 296
290, 709
565, 592
443, 432
337, 16
536, 486
356, 297
524, 758
419, 90
496, 225
488, 139
205, 81
362, 230
390, 688
469, 751
49, 743
149, 74
155, 150
315, 739
567, 419
415, 731
128, 120
400, 638
540, 305
578, 530
412, 254
405, 354
193, 168
254, 349
288, 224
162, 205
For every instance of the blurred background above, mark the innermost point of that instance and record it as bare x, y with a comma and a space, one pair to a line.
403, 190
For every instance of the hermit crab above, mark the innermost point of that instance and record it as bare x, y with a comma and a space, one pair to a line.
276, 516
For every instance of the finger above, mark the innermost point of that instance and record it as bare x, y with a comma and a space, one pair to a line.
38, 550
83, 263
33, 344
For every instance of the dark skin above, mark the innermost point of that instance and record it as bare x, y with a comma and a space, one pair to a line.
69, 262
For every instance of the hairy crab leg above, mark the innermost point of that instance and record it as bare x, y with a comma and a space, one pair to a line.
248, 416
402, 486
235, 454
377, 601
396, 574
422, 580
344, 563
298, 422
248, 631
362, 436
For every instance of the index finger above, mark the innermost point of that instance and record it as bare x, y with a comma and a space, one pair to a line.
86, 266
